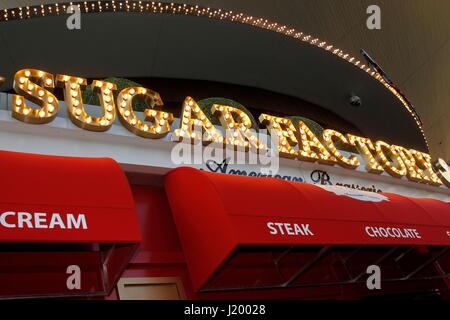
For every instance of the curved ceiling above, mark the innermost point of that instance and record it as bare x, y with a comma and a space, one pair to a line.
134, 44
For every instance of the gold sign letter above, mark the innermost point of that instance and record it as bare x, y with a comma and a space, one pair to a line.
328, 135
35, 92
160, 120
443, 171
414, 172
390, 159
237, 125
423, 161
310, 148
365, 148
192, 116
72, 87
283, 133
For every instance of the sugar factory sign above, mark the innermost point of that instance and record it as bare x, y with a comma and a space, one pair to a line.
291, 141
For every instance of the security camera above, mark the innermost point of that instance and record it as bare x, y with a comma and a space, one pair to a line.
355, 100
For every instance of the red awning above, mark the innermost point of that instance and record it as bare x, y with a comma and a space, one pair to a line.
60, 211
219, 217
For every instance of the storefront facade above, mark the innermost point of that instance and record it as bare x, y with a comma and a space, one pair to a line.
108, 202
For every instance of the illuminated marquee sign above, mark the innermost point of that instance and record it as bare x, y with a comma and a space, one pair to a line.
292, 141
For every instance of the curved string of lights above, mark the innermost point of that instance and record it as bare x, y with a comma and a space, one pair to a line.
195, 10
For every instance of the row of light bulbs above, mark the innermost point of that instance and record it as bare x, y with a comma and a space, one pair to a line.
195, 10
195, 126
32, 84
291, 141
397, 161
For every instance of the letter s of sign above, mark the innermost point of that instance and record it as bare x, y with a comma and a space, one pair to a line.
374, 20
74, 280
374, 280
